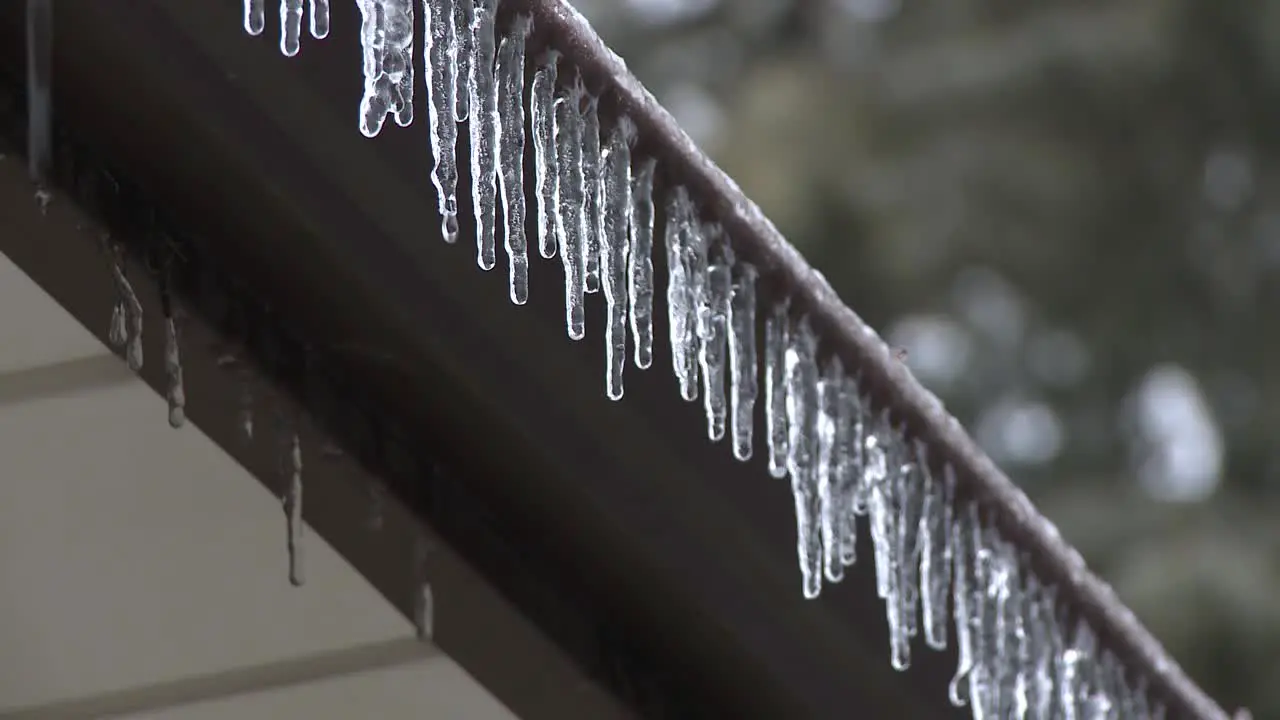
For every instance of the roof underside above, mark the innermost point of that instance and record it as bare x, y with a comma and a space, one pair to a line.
311, 255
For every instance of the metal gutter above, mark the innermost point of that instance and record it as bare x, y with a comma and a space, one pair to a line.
889, 382
648, 578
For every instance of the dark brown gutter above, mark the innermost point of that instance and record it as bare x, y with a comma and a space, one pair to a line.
889, 382
655, 562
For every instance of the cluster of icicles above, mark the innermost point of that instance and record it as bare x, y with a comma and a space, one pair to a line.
1020, 657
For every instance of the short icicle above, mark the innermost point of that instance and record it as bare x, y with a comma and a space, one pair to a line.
319, 13
510, 75
640, 271
483, 101
440, 79
776, 341
386, 42
802, 423
743, 386
293, 511
255, 20
615, 247
290, 27
570, 220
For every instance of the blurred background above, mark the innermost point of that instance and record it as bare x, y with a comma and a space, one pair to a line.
1069, 214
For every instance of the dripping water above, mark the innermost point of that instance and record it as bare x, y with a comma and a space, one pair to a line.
423, 600
293, 509
176, 392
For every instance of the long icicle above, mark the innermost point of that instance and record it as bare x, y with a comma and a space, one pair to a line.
570, 222
441, 82
463, 20
682, 234
830, 511
640, 273
802, 421
713, 332
546, 172
615, 246
483, 101
592, 181
510, 73
743, 387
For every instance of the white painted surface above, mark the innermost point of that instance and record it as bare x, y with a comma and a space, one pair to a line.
132, 555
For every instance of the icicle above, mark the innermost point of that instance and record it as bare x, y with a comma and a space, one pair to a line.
640, 273
546, 171
440, 72
1038, 607
423, 599
570, 222
290, 27
319, 19
461, 54
713, 334
592, 199
910, 509
898, 500
877, 474
982, 687
686, 283
935, 553
870, 458
293, 511
128, 311
39, 96
615, 211
775, 387
847, 466
963, 528
484, 129
1002, 659
829, 389
682, 231
1024, 679
510, 75
176, 395
386, 41
802, 422
255, 20
743, 387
